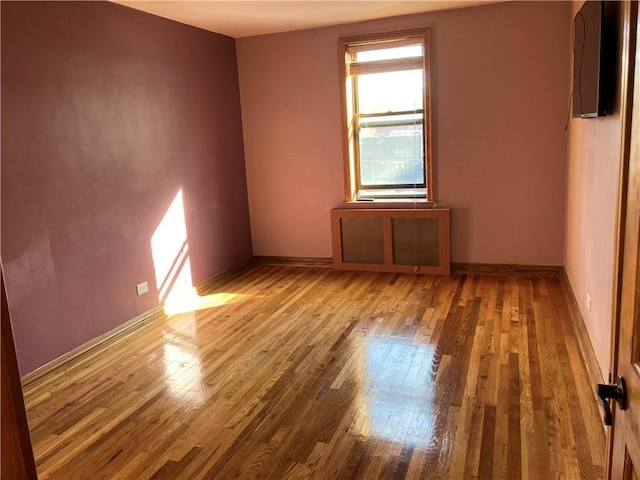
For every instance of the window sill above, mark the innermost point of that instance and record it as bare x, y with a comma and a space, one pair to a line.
390, 203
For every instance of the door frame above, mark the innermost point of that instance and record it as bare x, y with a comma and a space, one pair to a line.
17, 453
630, 28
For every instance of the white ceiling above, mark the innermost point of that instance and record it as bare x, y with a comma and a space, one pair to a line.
244, 18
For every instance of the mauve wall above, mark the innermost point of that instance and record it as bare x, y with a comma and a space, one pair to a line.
107, 114
500, 94
592, 201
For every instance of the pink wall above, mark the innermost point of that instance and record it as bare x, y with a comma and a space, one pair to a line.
107, 113
500, 93
592, 195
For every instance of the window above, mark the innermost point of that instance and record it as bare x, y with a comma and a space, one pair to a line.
386, 114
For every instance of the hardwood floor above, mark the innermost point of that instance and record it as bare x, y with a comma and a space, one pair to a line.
312, 373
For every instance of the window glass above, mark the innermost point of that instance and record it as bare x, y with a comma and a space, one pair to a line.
390, 91
391, 155
408, 51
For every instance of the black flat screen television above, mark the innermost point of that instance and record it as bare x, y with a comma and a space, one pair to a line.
590, 86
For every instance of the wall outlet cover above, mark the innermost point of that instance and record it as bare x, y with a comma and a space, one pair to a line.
142, 288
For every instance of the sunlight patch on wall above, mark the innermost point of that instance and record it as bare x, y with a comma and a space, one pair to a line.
172, 264
170, 251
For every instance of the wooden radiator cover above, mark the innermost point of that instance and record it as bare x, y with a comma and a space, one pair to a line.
391, 240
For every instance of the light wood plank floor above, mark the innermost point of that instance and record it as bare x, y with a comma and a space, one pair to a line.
316, 374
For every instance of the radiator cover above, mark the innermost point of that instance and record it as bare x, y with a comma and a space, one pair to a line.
391, 240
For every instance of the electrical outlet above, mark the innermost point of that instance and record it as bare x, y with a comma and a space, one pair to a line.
588, 302
142, 288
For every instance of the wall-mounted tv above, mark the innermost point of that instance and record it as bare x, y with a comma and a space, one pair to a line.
591, 61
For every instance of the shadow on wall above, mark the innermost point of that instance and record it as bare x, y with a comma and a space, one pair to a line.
460, 224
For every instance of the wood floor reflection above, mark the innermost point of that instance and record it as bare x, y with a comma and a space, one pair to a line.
316, 374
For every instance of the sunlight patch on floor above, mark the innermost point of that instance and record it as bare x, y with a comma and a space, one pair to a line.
195, 302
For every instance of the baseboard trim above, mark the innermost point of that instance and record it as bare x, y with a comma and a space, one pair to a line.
224, 276
315, 262
458, 268
587, 352
124, 329
120, 331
